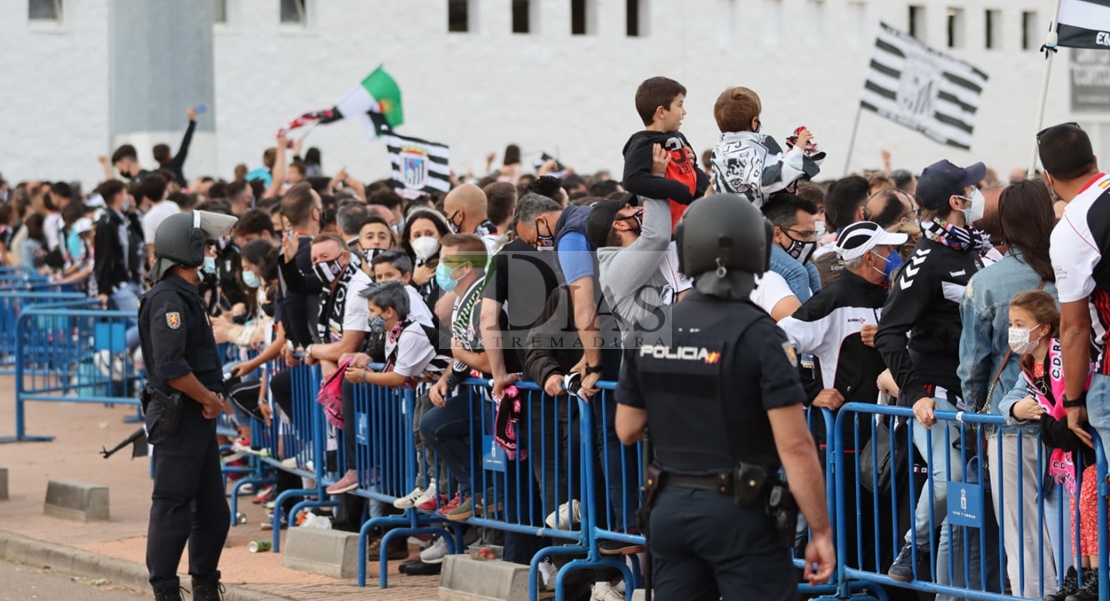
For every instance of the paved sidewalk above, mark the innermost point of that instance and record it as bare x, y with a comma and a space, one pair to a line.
81, 430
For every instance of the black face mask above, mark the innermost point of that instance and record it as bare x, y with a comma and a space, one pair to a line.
544, 241
639, 217
799, 249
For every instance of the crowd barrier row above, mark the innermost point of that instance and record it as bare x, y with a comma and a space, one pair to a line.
565, 453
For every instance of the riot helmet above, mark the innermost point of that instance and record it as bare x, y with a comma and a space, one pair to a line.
723, 244
180, 239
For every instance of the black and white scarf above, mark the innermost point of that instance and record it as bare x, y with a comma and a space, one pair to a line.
956, 237
331, 314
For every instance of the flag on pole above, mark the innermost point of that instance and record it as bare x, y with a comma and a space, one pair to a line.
922, 89
376, 101
1084, 24
419, 166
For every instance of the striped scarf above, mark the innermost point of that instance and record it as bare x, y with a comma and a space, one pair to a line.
956, 237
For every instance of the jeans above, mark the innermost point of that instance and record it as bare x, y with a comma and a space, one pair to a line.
944, 465
126, 298
452, 432
1024, 536
620, 462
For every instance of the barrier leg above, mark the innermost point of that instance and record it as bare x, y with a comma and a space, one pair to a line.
537, 559
134, 419
296, 492
578, 564
305, 505
20, 427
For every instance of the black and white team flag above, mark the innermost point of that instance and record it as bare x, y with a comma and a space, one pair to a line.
922, 89
1084, 24
419, 166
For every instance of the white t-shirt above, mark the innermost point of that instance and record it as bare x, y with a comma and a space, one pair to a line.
414, 351
418, 309
52, 229
769, 290
356, 312
155, 216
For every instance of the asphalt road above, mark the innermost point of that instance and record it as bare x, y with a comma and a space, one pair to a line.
27, 583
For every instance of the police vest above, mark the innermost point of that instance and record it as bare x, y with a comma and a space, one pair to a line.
702, 391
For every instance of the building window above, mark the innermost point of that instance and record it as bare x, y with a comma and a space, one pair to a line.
917, 22
522, 10
636, 18
219, 11
293, 11
44, 10
993, 22
1028, 29
955, 28
583, 17
458, 15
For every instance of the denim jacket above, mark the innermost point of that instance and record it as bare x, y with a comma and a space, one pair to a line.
803, 279
985, 314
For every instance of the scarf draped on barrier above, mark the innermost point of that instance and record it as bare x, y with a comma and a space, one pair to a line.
508, 424
331, 395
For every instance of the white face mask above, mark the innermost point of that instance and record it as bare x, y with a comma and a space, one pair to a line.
819, 227
425, 247
1021, 340
977, 208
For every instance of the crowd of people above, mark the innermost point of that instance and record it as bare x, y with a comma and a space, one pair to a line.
935, 291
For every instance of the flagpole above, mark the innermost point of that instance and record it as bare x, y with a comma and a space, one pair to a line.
1049, 50
852, 140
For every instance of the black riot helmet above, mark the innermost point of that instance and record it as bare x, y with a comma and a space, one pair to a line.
181, 237
723, 243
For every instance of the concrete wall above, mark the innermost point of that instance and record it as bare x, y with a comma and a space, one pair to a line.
546, 90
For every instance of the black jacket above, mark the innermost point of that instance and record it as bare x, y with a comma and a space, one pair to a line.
557, 350
300, 305
924, 302
682, 183
112, 249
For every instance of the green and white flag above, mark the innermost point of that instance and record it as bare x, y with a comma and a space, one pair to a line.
376, 98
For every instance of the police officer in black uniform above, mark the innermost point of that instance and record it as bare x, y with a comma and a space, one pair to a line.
721, 394
181, 403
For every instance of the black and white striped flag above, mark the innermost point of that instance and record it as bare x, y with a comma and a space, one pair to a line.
922, 89
419, 166
1084, 24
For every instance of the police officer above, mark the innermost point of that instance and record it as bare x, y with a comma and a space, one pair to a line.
724, 403
181, 403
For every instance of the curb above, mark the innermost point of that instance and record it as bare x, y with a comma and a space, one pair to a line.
20, 549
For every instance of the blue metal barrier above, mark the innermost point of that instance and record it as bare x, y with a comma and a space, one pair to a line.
14, 302
55, 350
970, 496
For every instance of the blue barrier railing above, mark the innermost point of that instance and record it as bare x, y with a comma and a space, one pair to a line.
964, 500
72, 355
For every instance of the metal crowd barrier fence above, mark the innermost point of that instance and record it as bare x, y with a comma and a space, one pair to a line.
953, 514
75, 355
14, 302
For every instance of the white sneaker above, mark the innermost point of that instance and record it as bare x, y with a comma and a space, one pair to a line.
608, 592
568, 515
111, 367
548, 571
425, 496
409, 500
290, 463
436, 552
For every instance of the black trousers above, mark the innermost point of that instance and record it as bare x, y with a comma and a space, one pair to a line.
705, 548
188, 506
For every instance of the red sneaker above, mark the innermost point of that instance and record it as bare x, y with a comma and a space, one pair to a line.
433, 503
453, 505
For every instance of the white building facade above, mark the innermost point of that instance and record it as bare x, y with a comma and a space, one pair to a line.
563, 83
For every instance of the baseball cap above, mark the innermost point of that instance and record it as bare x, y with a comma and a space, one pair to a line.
943, 180
860, 237
601, 219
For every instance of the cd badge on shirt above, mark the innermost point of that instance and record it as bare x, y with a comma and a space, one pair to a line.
173, 320
790, 354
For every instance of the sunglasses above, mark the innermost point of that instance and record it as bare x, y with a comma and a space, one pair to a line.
1071, 124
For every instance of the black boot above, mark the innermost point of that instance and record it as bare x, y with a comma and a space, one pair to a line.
1069, 586
207, 590
1089, 592
167, 594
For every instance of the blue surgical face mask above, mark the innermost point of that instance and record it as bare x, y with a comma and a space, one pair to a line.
209, 265
377, 324
443, 277
893, 264
251, 280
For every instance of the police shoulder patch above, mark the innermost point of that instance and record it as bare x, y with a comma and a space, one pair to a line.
791, 355
173, 320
